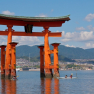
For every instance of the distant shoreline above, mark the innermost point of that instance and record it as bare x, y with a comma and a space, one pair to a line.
39, 70
31, 70
34, 69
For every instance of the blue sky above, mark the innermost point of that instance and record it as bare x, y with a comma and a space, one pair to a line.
78, 32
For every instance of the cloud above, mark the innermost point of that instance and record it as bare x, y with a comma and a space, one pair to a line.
80, 28
4, 43
3, 40
89, 45
77, 36
22, 40
26, 40
41, 15
89, 17
8, 12
84, 38
90, 27
70, 46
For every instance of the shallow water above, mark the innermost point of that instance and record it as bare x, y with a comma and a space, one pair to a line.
29, 82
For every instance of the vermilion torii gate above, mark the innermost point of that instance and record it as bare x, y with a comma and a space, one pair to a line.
8, 64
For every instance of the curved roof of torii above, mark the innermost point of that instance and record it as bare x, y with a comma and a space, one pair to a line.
35, 21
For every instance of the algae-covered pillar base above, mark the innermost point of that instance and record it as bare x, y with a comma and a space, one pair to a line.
48, 73
42, 74
2, 61
56, 65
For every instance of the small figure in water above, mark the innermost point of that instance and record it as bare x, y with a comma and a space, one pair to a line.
65, 76
14, 77
71, 75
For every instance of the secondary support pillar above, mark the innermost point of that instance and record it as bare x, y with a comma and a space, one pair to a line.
56, 65
8, 55
13, 58
48, 71
42, 74
2, 61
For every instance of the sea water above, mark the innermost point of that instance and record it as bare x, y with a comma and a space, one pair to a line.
29, 82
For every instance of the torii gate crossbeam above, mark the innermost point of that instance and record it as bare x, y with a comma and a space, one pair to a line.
39, 34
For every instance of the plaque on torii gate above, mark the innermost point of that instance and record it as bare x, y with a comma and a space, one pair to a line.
28, 23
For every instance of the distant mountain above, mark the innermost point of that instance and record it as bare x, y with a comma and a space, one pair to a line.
65, 59
75, 53
34, 52
25, 50
90, 50
67, 52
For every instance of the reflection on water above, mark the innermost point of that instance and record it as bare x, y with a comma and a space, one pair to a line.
47, 84
8, 86
29, 82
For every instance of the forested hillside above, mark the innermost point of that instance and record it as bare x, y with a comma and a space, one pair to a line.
65, 53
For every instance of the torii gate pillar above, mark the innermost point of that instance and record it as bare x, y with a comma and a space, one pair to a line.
13, 58
56, 65
2, 61
8, 54
48, 71
42, 74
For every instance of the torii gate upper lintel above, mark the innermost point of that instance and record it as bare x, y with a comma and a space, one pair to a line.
8, 64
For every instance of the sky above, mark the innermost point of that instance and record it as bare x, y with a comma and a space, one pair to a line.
78, 32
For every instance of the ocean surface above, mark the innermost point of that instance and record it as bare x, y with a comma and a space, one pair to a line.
29, 82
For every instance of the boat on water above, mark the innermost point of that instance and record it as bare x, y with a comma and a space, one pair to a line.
66, 78
14, 79
17, 69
